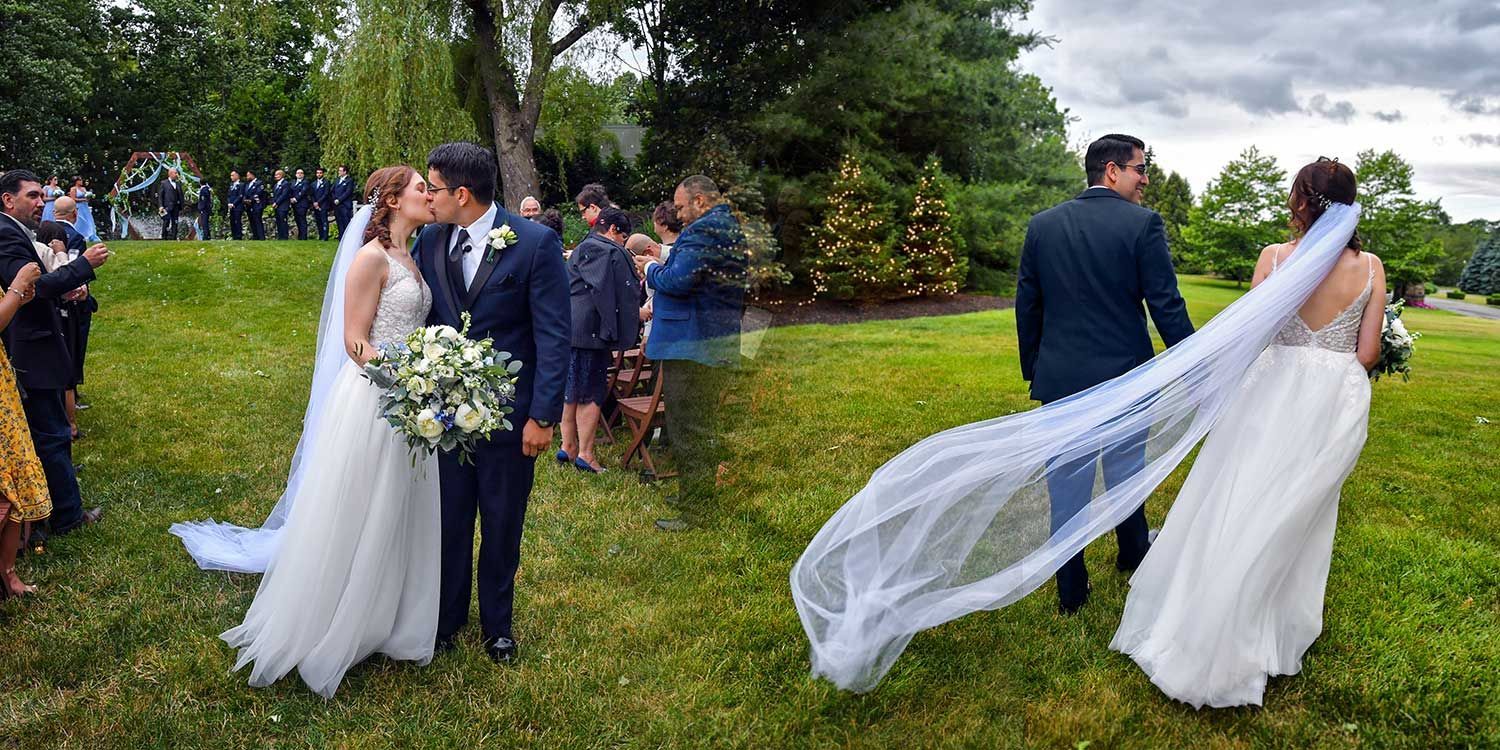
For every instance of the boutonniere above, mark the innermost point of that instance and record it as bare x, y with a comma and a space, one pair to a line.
499, 239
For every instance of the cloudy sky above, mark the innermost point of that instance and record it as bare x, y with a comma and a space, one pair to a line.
1200, 81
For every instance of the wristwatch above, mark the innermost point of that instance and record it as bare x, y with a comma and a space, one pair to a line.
543, 423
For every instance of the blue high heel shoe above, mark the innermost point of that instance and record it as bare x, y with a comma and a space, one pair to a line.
582, 465
562, 458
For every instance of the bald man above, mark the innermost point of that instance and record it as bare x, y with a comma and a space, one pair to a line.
641, 244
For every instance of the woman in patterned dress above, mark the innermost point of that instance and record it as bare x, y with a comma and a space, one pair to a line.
23, 486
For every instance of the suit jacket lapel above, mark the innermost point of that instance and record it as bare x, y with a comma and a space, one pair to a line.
482, 274
440, 267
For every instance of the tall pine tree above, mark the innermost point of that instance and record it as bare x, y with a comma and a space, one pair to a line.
929, 250
1482, 274
853, 261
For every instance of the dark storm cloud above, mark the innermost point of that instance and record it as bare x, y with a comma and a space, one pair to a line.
1392, 116
1480, 139
1339, 111
1268, 57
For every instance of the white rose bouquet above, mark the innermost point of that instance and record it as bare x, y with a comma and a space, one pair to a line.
1396, 345
444, 391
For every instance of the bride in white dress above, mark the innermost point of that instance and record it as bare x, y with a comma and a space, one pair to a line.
353, 564
1232, 589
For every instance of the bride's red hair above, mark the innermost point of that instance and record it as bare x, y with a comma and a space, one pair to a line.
381, 188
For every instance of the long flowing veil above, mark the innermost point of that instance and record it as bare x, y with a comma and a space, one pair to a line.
222, 546
963, 521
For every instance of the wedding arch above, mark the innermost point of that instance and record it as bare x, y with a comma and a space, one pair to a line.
141, 171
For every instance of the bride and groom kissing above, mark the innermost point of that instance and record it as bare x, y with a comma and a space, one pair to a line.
369, 551
1230, 592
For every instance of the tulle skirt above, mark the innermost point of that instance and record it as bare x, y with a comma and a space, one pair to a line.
356, 570
1232, 590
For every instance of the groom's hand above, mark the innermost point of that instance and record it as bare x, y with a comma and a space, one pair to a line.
535, 439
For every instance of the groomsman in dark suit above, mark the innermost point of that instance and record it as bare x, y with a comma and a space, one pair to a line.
1090, 269
171, 198
321, 193
205, 210
281, 202
34, 338
236, 211
255, 204
343, 199
301, 201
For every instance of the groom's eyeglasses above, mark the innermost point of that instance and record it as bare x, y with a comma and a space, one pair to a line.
1140, 169
432, 189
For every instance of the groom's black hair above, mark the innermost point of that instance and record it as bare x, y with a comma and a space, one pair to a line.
1111, 148
468, 165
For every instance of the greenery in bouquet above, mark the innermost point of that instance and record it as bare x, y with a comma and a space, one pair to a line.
1396, 345
443, 390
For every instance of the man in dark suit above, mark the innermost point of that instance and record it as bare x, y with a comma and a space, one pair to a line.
1086, 267
343, 199
34, 339
320, 194
301, 202
205, 210
171, 200
518, 295
281, 201
255, 205
236, 211
698, 301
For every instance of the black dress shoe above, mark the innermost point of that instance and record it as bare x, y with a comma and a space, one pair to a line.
442, 645
1068, 609
502, 650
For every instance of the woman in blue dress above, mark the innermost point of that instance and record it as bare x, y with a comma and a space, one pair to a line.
85, 224
50, 193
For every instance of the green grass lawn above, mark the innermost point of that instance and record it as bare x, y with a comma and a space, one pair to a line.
199, 367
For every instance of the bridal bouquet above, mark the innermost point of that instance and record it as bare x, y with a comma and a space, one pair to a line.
1395, 345
444, 391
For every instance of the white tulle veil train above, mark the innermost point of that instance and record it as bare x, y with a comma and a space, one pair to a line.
961, 521
221, 546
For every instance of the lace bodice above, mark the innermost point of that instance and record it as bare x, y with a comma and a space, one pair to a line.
1340, 334
404, 302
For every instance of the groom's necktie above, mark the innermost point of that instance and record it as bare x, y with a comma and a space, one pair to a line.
456, 262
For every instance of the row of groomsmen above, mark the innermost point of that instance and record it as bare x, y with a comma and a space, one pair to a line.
290, 198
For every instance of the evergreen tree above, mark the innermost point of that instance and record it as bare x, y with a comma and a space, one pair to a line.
853, 260
1482, 274
933, 263
1170, 196
718, 159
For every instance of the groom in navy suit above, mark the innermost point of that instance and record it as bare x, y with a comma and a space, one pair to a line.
1086, 267
517, 295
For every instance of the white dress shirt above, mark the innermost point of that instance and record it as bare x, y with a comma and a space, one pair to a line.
479, 236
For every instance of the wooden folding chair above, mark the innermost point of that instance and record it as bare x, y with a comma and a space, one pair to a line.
642, 414
632, 375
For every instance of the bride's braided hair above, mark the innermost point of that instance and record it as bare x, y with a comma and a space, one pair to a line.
1318, 186
383, 185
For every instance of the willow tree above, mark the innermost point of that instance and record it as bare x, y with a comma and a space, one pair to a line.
401, 56
388, 96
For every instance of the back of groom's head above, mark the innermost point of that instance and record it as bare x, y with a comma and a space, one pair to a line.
1110, 148
468, 165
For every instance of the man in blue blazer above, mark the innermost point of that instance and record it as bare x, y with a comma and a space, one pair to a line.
695, 335
255, 206
236, 195
205, 210
343, 199
517, 294
1086, 267
321, 194
301, 202
281, 203
34, 339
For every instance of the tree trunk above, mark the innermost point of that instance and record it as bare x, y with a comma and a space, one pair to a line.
513, 145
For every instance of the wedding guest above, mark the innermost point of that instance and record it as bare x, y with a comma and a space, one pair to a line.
170, 199
605, 293
236, 211
553, 219
591, 200
664, 220
530, 208
321, 193
255, 204
343, 199
700, 296
205, 210
79, 306
80, 192
23, 484
281, 203
50, 192
34, 340
638, 245
301, 202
